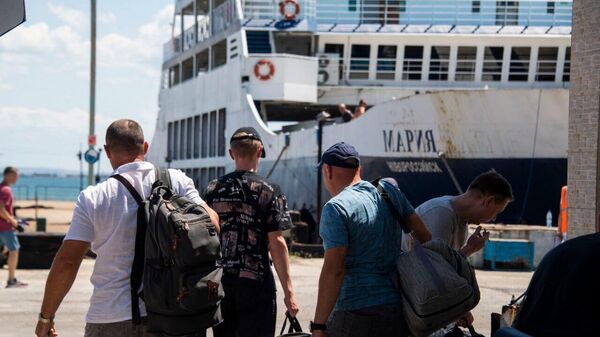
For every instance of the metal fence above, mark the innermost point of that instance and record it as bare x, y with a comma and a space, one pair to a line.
43, 192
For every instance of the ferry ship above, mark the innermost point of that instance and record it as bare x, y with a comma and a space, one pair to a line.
453, 88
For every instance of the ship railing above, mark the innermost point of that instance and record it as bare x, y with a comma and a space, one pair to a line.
269, 9
359, 68
491, 70
46, 192
465, 70
439, 69
545, 70
412, 69
446, 12
386, 68
223, 16
171, 48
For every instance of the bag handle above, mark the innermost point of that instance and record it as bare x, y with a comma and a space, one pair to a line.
294, 324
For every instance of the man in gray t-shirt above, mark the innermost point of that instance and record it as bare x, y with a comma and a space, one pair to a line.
447, 217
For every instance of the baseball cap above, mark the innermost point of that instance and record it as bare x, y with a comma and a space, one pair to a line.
248, 133
341, 155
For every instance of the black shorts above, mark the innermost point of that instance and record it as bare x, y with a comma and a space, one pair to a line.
249, 308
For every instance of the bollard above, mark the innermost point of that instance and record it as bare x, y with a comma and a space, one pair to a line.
40, 224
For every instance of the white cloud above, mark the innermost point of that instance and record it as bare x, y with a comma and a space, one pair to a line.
107, 18
71, 16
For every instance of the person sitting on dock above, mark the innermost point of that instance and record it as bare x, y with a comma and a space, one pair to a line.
360, 235
345, 113
360, 109
254, 213
8, 225
105, 218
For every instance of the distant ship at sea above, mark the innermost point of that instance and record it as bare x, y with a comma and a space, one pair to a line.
453, 88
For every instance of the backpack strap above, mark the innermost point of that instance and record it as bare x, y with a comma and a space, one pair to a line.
137, 269
386, 197
134, 193
163, 176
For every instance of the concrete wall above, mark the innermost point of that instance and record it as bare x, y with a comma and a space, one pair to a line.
583, 174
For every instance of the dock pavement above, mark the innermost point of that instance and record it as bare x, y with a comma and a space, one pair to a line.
19, 307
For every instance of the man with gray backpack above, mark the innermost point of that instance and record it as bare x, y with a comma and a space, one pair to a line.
361, 237
146, 225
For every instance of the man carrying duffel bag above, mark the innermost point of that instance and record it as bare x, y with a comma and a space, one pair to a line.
361, 238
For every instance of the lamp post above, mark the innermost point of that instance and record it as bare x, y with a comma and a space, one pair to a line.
92, 86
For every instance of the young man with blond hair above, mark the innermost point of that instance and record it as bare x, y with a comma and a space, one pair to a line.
253, 214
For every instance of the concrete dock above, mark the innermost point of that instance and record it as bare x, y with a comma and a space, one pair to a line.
19, 307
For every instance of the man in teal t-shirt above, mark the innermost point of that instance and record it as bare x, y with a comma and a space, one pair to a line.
362, 241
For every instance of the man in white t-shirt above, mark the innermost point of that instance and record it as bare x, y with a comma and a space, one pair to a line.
105, 219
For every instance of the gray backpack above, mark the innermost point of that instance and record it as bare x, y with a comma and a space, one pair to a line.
438, 287
176, 259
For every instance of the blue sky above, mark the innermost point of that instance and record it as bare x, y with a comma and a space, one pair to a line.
44, 77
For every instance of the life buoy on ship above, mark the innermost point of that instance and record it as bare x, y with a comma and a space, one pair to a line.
264, 70
289, 15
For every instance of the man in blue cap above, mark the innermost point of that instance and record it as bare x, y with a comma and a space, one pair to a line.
362, 241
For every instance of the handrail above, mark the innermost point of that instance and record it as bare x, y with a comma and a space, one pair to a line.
419, 12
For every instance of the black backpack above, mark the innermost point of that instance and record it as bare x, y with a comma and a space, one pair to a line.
176, 253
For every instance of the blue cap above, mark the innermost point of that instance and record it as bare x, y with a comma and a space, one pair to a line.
341, 155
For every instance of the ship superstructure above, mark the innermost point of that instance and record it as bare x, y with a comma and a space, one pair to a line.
454, 87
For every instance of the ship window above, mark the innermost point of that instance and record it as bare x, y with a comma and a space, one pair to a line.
188, 151
465, 63
413, 63
196, 178
507, 13
187, 69
519, 63
176, 140
202, 7
492, 63
164, 80
220, 171
170, 142
204, 135
182, 139
567, 65
213, 134
550, 7
546, 64
439, 62
212, 173
476, 7
174, 75
352, 5
204, 177
219, 54
386, 62
197, 137
359, 61
202, 61
337, 49
221, 137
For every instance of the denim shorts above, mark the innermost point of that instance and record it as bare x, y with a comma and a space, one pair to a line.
10, 240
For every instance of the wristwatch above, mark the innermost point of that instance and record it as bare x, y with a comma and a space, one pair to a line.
45, 320
316, 326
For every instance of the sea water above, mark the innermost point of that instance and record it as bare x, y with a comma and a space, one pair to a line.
49, 187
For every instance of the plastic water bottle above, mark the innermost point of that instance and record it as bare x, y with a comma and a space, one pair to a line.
549, 219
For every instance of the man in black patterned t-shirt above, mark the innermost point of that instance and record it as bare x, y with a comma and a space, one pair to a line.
253, 213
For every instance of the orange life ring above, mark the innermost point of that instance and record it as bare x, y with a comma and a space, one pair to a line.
289, 16
261, 75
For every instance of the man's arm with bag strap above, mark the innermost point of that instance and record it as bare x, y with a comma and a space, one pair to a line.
411, 223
